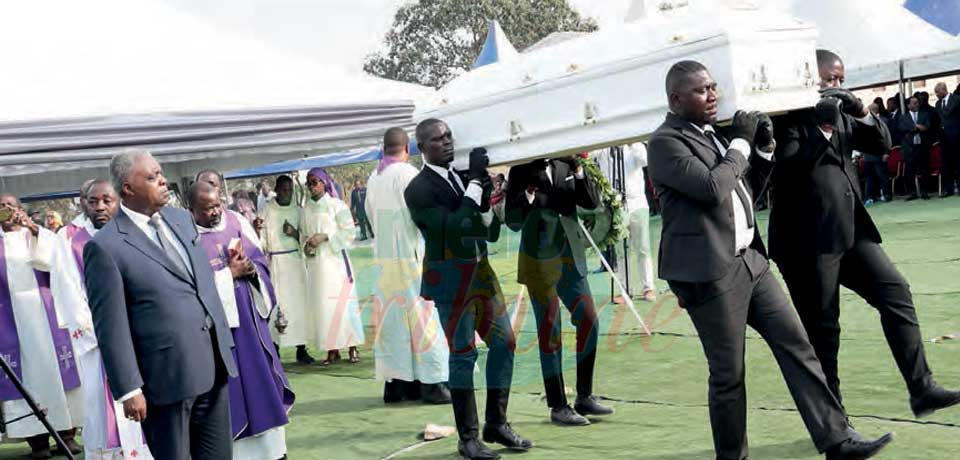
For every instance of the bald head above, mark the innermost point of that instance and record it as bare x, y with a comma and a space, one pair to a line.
200, 189
830, 66
940, 90
209, 176
11, 200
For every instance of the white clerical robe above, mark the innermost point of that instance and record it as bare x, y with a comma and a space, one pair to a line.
40, 368
331, 289
70, 297
410, 343
288, 273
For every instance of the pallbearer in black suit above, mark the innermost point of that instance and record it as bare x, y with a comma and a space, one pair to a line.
713, 258
452, 212
822, 237
542, 199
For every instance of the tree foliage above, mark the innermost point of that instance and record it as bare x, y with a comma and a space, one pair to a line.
433, 41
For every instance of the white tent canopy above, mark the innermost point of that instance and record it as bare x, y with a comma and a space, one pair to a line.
873, 36
83, 80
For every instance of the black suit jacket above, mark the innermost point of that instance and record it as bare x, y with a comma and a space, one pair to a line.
550, 233
924, 117
453, 231
695, 185
950, 117
149, 317
818, 207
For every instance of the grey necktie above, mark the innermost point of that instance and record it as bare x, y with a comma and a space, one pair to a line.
168, 246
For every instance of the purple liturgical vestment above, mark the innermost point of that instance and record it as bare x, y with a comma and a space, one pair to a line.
9, 338
260, 396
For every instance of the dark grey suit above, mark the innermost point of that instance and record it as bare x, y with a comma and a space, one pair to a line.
725, 291
950, 139
164, 331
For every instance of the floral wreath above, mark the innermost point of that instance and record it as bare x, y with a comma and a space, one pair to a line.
609, 223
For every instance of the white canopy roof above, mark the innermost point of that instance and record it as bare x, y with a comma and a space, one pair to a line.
873, 36
85, 79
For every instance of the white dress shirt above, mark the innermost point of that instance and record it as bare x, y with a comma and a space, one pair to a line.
473, 191
579, 174
917, 140
142, 222
743, 233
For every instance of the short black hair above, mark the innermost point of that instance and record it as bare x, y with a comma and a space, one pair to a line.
90, 184
423, 126
680, 72
283, 179
826, 58
395, 137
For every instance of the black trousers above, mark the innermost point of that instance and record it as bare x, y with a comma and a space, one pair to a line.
196, 428
950, 152
721, 311
574, 291
917, 158
814, 282
877, 179
476, 306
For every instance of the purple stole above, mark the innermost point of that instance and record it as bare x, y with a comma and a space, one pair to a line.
260, 396
78, 238
10, 340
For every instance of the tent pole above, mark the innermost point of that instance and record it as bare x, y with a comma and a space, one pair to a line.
903, 102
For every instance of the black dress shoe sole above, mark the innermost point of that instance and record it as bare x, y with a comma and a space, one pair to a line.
593, 414
563, 423
930, 411
515, 448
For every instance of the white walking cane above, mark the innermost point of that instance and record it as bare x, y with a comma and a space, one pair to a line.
623, 290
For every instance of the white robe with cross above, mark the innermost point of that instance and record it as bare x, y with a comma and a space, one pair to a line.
70, 297
410, 344
41, 370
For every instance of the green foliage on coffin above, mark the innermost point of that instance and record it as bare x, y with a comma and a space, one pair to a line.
607, 224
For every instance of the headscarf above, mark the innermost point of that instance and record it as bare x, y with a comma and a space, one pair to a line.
321, 174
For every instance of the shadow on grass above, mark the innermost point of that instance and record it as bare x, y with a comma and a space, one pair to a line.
343, 405
801, 448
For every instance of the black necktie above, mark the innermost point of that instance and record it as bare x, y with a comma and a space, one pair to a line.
741, 193
453, 183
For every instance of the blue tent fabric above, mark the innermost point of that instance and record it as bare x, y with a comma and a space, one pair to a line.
322, 161
493, 50
944, 14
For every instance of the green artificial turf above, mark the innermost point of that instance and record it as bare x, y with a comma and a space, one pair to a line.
658, 384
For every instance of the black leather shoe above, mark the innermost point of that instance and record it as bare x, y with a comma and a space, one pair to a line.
911, 197
473, 449
946, 194
924, 196
854, 449
505, 436
589, 405
303, 357
932, 400
393, 392
565, 415
436, 393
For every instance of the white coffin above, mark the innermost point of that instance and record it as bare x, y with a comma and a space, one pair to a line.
607, 88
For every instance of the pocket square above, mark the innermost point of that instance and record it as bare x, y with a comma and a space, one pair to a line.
569, 178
